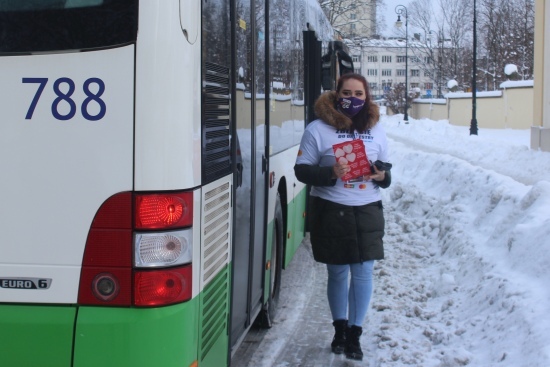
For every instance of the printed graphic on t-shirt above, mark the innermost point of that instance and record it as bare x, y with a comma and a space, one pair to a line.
348, 134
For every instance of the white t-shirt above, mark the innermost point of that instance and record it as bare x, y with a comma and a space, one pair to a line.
316, 149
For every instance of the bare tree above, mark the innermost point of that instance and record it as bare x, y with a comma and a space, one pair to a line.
507, 38
456, 14
352, 18
395, 100
421, 14
427, 44
443, 37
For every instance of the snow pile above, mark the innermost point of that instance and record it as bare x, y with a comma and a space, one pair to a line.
468, 228
510, 69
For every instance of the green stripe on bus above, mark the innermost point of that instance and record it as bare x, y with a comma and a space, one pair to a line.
165, 336
115, 337
36, 335
214, 340
296, 224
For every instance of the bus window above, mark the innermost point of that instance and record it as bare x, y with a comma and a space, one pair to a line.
335, 63
58, 25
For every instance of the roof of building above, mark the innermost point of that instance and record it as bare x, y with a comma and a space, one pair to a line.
393, 43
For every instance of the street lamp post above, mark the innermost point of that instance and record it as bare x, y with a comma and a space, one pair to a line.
432, 59
399, 10
473, 123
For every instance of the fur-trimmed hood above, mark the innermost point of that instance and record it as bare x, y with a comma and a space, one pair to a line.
325, 110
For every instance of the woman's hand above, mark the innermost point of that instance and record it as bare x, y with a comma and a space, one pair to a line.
338, 170
377, 175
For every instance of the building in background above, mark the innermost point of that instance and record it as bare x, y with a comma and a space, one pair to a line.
352, 18
382, 63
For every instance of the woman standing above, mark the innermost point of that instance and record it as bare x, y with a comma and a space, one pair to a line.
346, 219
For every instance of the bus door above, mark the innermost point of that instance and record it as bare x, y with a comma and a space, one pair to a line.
249, 220
262, 94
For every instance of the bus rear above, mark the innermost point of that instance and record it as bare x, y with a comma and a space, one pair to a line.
98, 208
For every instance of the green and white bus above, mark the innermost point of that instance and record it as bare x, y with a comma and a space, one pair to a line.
148, 202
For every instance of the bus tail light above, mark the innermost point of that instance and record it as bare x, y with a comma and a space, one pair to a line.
164, 211
162, 287
162, 249
149, 268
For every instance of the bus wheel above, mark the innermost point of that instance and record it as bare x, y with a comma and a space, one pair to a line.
270, 307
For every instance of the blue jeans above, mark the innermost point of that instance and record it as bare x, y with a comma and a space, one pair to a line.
356, 293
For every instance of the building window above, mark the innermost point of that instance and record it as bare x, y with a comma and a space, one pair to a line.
386, 58
413, 85
353, 16
372, 72
415, 59
352, 25
372, 58
373, 86
401, 72
401, 58
355, 58
386, 72
427, 60
428, 86
415, 72
427, 73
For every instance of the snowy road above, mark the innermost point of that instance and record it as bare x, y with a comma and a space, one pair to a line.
463, 282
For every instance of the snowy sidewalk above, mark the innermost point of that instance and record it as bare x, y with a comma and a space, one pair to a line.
302, 332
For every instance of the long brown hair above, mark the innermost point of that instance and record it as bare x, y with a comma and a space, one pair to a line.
370, 114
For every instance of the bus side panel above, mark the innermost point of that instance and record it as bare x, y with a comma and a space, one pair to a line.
297, 207
214, 337
268, 247
295, 200
215, 272
36, 335
168, 100
295, 226
114, 337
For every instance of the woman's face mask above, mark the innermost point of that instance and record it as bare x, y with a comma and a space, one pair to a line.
351, 106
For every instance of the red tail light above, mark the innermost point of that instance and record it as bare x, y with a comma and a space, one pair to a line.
164, 211
162, 287
108, 277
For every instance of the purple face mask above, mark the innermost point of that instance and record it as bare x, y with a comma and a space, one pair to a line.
351, 106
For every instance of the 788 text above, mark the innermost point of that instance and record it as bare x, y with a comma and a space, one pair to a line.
65, 98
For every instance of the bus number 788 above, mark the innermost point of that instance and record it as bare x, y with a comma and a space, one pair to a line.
66, 97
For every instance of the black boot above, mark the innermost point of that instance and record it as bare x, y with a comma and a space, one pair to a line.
353, 348
339, 341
